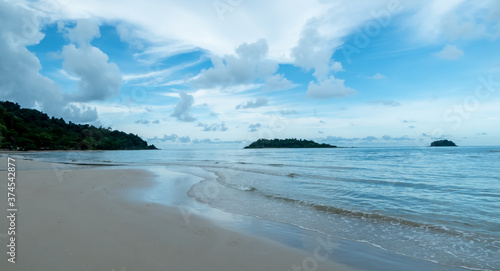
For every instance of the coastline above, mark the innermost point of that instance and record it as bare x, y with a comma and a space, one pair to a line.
80, 218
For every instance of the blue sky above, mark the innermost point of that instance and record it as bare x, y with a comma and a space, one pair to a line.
363, 73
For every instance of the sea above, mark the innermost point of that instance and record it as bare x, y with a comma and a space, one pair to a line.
438, 204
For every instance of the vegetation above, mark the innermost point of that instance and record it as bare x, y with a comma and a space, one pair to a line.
443, 143
29, 129
286, 143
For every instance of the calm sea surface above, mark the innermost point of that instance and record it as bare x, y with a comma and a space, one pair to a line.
436, 204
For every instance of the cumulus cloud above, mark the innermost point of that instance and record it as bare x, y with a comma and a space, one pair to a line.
329, 88
181, 111
254, 127
450, 52
401, 138
213, 127
324, 33
20, 79
277, 82
79, 113
314, 51
84, 32
99, 79
248, 64
172, 138
259, 102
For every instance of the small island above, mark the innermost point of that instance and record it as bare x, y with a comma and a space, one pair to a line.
286, 143
23, 129
443, 143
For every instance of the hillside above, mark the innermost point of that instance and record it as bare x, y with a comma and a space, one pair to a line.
286, 143
29, 129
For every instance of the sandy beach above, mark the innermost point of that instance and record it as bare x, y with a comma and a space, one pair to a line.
80, 218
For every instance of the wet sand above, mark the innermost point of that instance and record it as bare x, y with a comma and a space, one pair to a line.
84, 218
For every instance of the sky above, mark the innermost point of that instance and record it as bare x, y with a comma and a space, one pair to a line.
183, 74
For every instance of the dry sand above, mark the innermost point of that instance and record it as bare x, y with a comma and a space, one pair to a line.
83, 218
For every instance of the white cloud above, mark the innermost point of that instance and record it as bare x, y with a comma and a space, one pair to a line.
248, 64
142, 121
181, 112
79, 113
154, 22
20, 80
288, 112
254, 127
428, 18
450, 52
277, 82
127, 33
329, 88
154, 76
306, 34
314, 52
84, 32
386, 102
172, 138
336, 66
455, 19
259, 102
99, 79
377, 76
213, 127
324, 33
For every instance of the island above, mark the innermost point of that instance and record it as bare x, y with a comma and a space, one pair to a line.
443, 143
25, 129
286, 143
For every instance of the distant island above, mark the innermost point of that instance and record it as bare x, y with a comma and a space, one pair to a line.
286, 143
443, 143
29, 129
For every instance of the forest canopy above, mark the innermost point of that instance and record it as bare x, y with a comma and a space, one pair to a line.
29, 129
443, 143
287, 143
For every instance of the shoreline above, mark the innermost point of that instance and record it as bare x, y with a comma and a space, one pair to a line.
82, 220
355, 254
143, 190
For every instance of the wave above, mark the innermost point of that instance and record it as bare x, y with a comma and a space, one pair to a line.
411, 183
374, 217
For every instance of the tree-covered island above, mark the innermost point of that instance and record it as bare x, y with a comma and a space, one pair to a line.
287, 143
29, 129
443, 143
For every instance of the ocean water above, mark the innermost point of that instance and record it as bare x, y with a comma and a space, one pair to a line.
436, 204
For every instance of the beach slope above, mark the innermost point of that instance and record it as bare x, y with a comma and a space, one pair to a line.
86, 218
